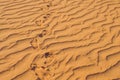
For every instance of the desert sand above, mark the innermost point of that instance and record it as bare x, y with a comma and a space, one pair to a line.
59, 39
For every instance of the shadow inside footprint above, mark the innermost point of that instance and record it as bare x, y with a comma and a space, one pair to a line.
33, 66
38, 78
44, 32
47, 54
40, 35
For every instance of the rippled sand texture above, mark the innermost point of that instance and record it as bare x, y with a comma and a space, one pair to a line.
59, 39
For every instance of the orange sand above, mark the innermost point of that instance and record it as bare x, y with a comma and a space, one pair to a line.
59, 39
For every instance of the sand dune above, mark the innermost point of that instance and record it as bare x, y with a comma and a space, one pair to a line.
59, 39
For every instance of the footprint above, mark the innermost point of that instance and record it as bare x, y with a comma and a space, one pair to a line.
38, 23
38, 78
40, 35
34, 43
33, 66
44, 32
47, 54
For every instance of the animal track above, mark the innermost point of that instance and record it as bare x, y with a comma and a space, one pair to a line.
59, 40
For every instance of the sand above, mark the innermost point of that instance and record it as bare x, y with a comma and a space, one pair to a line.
59, 39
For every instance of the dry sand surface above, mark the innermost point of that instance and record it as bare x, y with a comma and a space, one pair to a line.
59, 39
